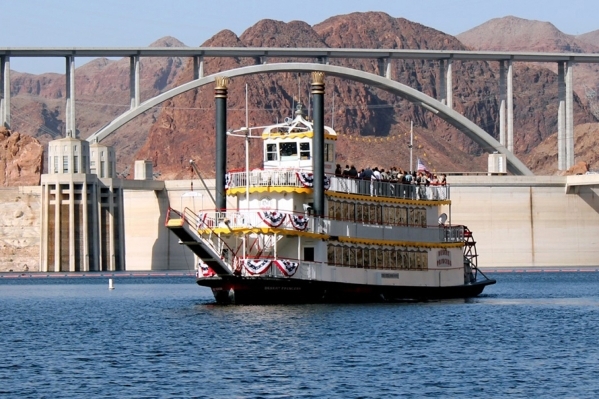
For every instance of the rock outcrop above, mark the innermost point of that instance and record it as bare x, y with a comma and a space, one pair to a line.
21, 159
370, 121
19, 229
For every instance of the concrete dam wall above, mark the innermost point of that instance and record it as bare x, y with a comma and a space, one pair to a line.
528, 222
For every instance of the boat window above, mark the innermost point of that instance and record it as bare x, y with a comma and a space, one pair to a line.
309, 254
288, 151
271, 152
329, 152
304, 150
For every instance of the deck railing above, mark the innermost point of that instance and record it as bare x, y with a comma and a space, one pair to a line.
291, 178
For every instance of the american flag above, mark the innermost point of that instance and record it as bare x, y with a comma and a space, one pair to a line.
421, 166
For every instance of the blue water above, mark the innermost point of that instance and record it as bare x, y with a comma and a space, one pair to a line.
531, 335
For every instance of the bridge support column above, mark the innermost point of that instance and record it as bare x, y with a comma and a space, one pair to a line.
561, 118
510, 106
318, 149
502, 98
71, 130
385, 67
134, 81
569, 116
5, 91
442, 83
198, 67
220, 96
449, 81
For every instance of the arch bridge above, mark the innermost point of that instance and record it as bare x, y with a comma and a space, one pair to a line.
442, 107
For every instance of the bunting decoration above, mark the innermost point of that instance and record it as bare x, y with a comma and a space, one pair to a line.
256, 266
272, 218
201, 220
204, 270
307, 180
287, 267
299, 222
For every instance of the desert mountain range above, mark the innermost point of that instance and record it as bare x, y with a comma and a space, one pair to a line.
372, 123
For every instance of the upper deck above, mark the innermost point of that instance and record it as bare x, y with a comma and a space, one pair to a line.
295, 180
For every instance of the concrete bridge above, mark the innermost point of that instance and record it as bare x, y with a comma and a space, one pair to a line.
318, 59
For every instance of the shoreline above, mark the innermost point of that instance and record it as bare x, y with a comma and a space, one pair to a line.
187, 273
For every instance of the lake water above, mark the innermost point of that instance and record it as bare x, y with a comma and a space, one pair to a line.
530, 335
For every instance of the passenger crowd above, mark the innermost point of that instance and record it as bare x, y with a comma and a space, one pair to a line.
392, 175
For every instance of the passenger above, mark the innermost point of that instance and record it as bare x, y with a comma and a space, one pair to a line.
353, 173
442, 189
434, 183
346, 171
338, 171
375, 182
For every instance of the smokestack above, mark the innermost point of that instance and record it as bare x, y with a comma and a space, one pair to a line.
220, 98
318, 141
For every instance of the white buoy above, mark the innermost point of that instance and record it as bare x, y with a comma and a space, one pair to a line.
110, 284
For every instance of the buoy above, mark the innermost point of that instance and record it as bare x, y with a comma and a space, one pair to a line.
110, 284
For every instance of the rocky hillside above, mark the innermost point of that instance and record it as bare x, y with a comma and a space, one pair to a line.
590, 38
101, 94
373, 124
21, 159
519, 34
370, 121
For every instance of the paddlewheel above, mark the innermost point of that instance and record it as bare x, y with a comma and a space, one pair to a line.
470, 255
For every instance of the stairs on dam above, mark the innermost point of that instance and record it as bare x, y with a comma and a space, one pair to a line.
187, 235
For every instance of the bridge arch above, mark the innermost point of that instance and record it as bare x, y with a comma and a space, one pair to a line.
463, 124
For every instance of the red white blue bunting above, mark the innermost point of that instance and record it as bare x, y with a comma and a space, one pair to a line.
307, 180
272, 218
257, 266
204, 270
287, 267
299, 222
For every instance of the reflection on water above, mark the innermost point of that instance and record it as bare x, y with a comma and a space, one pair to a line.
530, 335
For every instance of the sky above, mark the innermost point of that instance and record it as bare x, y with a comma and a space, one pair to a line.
138, 23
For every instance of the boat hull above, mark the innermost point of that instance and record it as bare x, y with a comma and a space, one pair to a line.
243, 290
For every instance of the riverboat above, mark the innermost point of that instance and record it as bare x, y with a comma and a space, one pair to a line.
372, 241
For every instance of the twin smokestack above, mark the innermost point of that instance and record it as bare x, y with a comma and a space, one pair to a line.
220, 98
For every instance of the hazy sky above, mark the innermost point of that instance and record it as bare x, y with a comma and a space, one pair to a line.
124, 23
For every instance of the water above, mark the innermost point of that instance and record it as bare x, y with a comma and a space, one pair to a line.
531, 335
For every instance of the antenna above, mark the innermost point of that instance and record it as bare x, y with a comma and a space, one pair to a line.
299, 90
246, 106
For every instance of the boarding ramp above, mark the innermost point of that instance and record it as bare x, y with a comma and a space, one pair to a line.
184, 226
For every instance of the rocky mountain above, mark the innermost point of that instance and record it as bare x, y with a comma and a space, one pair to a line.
372, 123
101, 94
519, 34
590, 38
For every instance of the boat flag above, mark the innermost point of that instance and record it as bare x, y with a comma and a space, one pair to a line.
421, 166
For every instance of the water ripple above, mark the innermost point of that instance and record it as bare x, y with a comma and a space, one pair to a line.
528, 336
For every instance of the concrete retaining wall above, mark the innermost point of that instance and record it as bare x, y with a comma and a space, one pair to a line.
529, 221
517, 221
